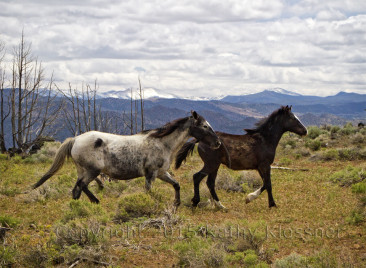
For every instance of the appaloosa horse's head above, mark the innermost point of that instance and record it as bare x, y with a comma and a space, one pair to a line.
202, 131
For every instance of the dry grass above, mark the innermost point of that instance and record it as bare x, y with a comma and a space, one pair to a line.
311, 224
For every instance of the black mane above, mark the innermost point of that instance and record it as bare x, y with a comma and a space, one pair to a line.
168, 128
266, 123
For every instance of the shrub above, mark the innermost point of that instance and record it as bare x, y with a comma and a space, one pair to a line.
313, 144
7, 256
8, 221
84, 209
237, 182
348, 129
285, 161
302, 152
36, 257
355, 218
250, 258
359, 188
292, 260
78, 232
335, 129
329, 155
237, 257
9, 190
325, 259
358, 138
136, 205
191, 251
214, 257
348, 154
314, 132
114, 188
348, 176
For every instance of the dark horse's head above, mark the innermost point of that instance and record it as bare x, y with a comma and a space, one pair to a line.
282, 117
202, 131
197, 127
292, 123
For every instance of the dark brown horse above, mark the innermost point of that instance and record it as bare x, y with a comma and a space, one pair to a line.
254, 150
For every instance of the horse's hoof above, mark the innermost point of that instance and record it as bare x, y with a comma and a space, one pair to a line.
220, 206
247, 200
272, 206
203, 204
223, 209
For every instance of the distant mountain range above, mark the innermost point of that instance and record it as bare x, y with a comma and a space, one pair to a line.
231, 113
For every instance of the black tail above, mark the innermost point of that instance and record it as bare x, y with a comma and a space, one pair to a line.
183, 152
63, 152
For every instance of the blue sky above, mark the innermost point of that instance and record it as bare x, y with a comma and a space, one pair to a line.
196, 48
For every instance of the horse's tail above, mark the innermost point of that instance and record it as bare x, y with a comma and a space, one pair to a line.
183, 152
63, 152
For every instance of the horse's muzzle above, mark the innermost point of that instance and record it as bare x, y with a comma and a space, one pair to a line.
302, 132
216, 145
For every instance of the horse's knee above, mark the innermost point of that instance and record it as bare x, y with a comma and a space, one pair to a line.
176, 186
76, 192
198, 177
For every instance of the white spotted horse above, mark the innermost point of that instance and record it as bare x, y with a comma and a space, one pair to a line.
123, 157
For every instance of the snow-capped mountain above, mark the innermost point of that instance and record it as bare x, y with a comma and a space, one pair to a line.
283, 91
148, 93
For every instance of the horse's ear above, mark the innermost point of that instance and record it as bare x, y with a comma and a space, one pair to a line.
249, 131
288, 108
194, 114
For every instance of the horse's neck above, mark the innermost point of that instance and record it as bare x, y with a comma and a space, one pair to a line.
273, 135
175, 140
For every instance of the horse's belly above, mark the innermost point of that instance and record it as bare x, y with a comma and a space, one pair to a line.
124, 174
124, 169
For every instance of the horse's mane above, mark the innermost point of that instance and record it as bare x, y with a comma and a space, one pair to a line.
266, 123
168, 128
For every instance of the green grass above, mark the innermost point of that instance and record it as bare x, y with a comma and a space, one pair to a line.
9, 221
319, 221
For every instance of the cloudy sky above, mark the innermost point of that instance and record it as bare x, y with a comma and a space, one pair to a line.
196, 48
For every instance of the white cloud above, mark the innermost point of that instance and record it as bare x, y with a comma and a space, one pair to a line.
196, 47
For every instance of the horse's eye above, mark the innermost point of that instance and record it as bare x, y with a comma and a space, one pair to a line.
205, 126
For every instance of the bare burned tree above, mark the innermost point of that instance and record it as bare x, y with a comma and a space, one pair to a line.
33, 106
82, 113
4, 104
141, 94
131, 121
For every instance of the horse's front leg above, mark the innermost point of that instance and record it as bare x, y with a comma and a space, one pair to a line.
197, 178
149, 178
168, 178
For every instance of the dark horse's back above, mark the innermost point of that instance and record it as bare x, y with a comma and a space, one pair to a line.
242, 150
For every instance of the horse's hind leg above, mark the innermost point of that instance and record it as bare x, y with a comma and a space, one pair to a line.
85, 177
211, 186
265, 172
100, 183
76, 192
168, 178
